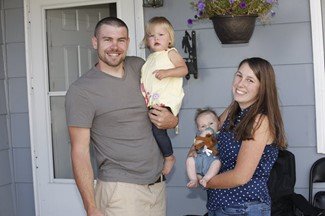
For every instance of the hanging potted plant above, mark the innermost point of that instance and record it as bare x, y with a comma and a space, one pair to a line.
233, 20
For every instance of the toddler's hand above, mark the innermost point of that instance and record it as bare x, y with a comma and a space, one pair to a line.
159, 74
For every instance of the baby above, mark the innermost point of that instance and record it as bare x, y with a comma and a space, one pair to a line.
206, 164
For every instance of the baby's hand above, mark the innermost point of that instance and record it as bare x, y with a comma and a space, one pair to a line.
197, 142
203, 182
205, 132
160, 74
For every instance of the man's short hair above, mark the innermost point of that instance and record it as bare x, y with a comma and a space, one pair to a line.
112, 21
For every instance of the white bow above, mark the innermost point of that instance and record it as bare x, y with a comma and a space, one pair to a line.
207, 151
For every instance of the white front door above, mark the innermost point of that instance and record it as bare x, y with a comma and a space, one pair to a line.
58, 51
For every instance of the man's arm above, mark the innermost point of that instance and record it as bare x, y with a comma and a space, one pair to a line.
82, 169
162, 117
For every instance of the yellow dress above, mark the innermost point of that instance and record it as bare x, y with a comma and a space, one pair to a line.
168, 91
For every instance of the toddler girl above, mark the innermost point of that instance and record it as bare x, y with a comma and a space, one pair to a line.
162, 79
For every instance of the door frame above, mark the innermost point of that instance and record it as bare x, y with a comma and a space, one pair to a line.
134, 48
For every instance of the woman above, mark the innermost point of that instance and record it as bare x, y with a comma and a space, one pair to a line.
250, 136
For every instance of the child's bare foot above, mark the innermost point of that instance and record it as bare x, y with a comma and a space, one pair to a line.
168, 164
192, 183
203, 182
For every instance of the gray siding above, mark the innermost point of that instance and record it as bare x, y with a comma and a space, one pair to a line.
16, 188
7, 202
286, 43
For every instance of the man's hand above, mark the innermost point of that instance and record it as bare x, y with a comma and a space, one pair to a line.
162, 117
94, 212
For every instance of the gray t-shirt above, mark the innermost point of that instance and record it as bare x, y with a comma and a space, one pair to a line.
114, 110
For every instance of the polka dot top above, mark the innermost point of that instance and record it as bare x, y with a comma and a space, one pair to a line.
254, 190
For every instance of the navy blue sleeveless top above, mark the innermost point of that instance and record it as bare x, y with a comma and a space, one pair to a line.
255, 189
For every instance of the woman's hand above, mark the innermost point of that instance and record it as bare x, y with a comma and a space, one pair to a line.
192, 152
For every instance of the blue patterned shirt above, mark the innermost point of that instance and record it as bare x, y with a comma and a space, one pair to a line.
255, 189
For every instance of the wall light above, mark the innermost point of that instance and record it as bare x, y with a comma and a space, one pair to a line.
153, 3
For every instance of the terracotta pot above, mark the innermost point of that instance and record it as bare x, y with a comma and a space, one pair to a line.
234, 29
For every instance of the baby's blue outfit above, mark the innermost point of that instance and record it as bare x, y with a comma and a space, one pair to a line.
203, 161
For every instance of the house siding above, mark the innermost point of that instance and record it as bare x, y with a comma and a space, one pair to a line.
286, 43
7, 203
16, 188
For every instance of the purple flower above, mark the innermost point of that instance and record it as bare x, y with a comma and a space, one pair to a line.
208, 8
200, 6
155, 96
242, 5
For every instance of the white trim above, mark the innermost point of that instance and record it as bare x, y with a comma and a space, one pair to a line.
46, 87
75, 4
138, 22
319, 76
139, 27
57, 93
29, 76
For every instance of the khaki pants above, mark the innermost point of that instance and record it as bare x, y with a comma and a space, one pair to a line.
125, 199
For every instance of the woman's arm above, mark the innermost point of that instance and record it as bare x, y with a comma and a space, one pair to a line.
248, 158
180, 69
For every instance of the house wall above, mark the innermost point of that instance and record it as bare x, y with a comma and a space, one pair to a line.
6, 180
287, 44
16, 189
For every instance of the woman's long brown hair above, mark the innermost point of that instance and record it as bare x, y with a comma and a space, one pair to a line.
267, 104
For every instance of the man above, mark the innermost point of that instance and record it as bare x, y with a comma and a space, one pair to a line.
105, 107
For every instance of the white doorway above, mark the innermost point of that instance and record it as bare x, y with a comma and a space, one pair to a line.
58, 51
